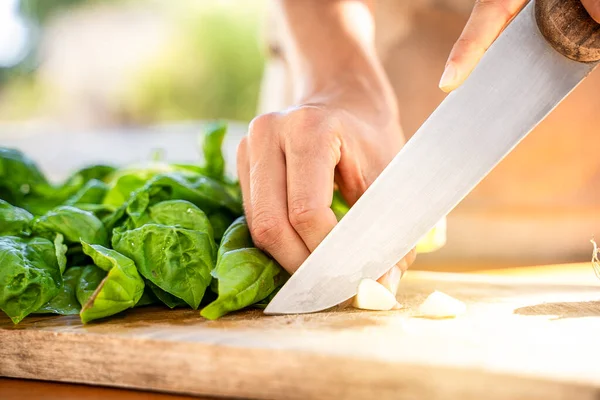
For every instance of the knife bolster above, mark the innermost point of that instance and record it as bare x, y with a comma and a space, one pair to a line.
569, 28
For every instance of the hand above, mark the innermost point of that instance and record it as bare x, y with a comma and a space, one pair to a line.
488, 19
288, 163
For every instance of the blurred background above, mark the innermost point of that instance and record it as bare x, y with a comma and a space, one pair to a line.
84, 81
90, 64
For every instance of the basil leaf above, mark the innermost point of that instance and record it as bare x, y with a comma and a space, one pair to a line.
237, 236
177, 260
124, 182
93, 172
91, 193
74, 223
121, 289
29, 275
182, 214
65, 303
60, 250
148, 298
339, 206
14, 220
89, 280
220, 221
213, 156
206, 193
166, 298
244, 274
120, 190
19, 175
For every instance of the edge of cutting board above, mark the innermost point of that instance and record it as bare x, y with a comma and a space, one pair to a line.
256, 373
249, 355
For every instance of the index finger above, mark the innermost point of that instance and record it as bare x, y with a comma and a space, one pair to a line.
267, 203
488, 19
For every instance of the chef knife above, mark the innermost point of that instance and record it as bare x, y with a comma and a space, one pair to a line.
542, 55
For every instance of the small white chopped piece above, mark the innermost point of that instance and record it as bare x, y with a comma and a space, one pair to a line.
440, 305
372, 295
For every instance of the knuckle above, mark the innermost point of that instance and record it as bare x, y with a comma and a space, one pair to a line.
308, 114
262, 124
467, 43
466, 46
314, 130
266, 231
310, 119
301, 217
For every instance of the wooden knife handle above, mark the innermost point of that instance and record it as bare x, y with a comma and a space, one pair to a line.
569, 28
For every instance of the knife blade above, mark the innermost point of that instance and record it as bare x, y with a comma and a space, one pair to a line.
532, 66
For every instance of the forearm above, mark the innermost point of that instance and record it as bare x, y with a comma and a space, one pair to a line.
329, 45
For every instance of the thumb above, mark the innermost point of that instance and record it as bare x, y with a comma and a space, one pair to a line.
488, 19
593, 8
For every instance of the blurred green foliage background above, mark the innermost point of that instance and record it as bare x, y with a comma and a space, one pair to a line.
209, 65
212, 69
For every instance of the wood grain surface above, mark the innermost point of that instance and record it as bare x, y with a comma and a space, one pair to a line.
524, 335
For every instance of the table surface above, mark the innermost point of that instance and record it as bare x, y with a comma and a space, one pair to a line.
18, 389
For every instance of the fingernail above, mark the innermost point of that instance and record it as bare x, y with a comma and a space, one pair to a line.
448, 79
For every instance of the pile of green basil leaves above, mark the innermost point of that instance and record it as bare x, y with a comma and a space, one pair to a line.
110, 239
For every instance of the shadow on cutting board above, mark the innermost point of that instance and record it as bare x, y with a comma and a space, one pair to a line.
563, 310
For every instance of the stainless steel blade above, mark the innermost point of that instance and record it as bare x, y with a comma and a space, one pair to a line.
517, 83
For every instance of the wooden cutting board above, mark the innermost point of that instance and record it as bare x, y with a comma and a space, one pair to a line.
527, 334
